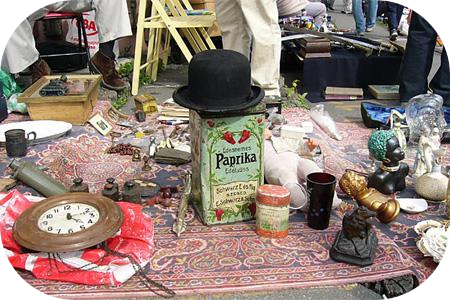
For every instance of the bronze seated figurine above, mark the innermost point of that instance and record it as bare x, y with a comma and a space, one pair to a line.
356, 243
355, 185
390, 176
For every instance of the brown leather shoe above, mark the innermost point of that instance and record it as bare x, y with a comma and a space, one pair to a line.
38, 69
104, 65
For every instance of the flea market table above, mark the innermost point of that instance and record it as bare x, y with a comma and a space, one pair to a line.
345, 68
225, 258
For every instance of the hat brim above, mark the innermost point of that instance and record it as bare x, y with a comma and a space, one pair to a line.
181, 97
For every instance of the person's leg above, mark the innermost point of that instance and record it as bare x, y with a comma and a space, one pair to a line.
330, 4
399, 14
371, 14
440, 84
262, 19
235, 33
418, 58
316, 10
347, 7
20, 51
358, 15
391, 12
113, 21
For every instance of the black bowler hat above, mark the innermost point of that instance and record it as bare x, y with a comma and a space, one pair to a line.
219, 81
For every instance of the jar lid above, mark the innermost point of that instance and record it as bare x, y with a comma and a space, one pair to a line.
273, 195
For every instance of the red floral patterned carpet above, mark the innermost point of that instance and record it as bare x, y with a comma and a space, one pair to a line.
232, 257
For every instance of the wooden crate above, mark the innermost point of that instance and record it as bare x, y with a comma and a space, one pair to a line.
211, 6
75, 107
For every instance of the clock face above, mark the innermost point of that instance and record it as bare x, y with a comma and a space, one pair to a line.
68, 218
68, 222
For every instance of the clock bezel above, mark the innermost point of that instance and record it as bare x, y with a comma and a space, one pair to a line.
27, 233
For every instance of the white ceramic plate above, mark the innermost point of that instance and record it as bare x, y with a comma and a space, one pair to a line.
413, 205
45, 130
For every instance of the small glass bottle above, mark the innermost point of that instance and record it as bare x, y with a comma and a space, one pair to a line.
131, 193
79, 186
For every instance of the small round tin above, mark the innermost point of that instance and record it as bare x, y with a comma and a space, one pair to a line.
272, 211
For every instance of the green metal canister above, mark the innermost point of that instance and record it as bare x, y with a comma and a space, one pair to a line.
227, 164
30, 174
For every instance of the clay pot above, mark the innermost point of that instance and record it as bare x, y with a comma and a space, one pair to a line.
432, 186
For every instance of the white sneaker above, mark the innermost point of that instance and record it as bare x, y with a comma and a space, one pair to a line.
394, 35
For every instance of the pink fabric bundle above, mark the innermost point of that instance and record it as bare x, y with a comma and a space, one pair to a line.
289, 169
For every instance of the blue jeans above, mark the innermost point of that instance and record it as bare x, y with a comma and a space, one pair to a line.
394, 13
361, 22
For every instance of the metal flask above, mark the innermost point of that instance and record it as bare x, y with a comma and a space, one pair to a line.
31, 175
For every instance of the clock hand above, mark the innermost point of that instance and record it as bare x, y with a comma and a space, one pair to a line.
83, 213
70, 217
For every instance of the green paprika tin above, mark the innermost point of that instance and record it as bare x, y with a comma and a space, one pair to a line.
227, 164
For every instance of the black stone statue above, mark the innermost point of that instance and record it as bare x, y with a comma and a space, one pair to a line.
356, 243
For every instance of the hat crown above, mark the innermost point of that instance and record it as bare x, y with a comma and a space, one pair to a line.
219, 81
219, 76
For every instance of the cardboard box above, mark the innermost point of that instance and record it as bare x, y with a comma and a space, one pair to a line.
74, 108
211, 6
201, 1
146, 103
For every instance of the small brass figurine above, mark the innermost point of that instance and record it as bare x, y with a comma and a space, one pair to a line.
136, 155
146, 166
355, 185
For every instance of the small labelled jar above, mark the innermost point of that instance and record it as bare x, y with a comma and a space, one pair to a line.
272, 211
78, 186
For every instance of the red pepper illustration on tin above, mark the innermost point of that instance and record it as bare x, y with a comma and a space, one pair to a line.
210, 123
244, 136
259, 120
228, 136
219, 213
252, 208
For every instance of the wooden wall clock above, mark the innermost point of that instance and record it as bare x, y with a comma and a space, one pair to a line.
68, 222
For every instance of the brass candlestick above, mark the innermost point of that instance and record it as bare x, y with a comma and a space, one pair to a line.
355, 185
180, 224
